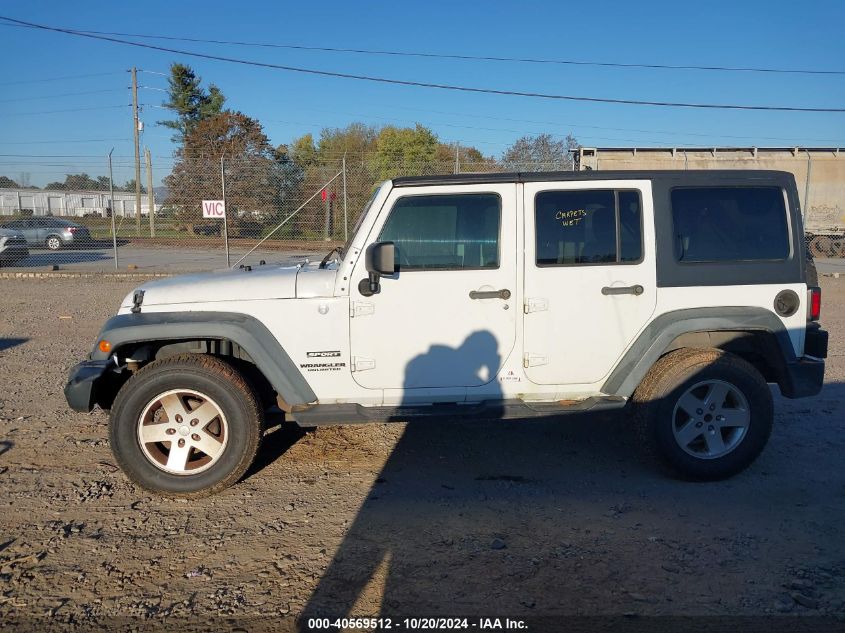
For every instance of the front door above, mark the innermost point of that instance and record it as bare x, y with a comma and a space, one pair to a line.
590, 283
447, 319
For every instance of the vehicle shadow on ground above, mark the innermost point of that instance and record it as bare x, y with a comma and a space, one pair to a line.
9, 343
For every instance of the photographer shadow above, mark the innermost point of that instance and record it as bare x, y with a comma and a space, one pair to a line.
430, 533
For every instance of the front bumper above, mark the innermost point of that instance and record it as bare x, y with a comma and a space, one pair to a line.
80, 390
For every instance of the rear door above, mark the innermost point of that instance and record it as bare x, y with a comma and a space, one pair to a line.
590, 283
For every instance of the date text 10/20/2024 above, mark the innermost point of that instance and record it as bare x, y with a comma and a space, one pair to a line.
431, 624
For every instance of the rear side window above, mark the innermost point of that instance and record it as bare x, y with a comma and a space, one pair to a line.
596, 226
714, 224
445, 232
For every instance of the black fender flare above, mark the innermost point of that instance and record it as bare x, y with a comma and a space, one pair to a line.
658, 335
244, 330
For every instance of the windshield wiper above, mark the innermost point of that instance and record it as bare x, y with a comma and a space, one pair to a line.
327, 258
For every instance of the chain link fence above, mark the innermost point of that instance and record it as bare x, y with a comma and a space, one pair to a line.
276, 211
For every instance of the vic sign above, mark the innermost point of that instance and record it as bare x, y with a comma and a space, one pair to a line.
214, 209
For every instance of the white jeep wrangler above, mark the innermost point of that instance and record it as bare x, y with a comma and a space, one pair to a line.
674, 295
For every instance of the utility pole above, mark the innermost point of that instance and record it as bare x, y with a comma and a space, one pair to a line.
345, 217
151, 197
111, 211
457, 158
135, 126
225, 211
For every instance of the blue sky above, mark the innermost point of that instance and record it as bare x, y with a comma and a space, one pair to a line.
738, 33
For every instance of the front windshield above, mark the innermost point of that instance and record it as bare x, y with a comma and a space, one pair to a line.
360, 219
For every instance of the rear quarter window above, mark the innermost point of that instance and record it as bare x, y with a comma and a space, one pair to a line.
718, 224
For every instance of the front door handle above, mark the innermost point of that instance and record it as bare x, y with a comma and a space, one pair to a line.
623, 290
490, 294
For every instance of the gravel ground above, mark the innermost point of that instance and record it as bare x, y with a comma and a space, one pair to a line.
524, 519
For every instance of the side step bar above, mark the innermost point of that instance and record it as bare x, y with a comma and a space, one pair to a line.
332, 414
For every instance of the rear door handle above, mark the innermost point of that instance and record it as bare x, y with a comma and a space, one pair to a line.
623, 290
490, 294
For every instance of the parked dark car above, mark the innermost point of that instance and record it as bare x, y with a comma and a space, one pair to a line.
54, 233
12, 247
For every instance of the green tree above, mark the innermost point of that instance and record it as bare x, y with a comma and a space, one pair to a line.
130, 186
303, 151
541, 152
5, 181
353, 141
468, 159
405, 151
84, 182
190, 101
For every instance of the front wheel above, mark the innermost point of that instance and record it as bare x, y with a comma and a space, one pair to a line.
704, 413
188, 425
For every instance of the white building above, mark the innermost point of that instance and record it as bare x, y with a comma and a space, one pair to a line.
16, 201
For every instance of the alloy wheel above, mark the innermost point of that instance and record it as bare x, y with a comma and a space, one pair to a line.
183, 432
710, 419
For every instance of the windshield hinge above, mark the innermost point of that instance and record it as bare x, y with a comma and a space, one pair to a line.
362, 364
534, 360
360, 308
537, 304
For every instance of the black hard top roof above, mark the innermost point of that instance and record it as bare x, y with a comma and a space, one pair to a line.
696, 175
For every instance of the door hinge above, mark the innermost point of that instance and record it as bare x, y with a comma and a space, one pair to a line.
361, 308
534, 360
537, 304
362, 364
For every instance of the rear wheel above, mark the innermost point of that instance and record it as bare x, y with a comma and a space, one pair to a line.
704, 413
54, 242
188, 425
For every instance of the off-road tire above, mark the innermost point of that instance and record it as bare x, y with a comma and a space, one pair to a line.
671, 376
207, 375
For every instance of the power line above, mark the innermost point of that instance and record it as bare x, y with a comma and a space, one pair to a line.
69, 110
36, 81
557, 124
58, 156
59, 142
595, 127
66, 94
420, 84
455, 56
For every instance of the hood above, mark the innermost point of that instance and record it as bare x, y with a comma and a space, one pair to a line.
240, 284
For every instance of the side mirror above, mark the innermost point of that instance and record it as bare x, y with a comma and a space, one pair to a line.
379, 259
